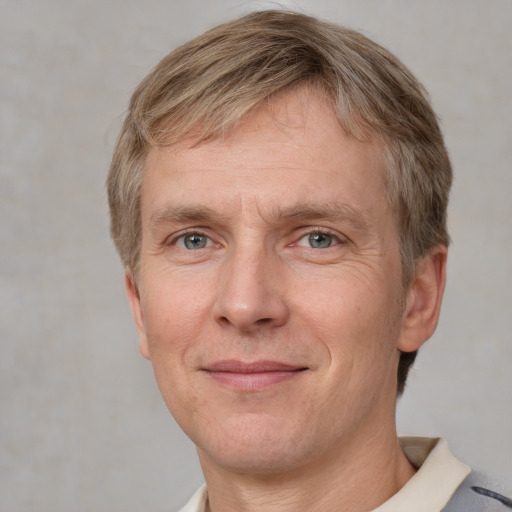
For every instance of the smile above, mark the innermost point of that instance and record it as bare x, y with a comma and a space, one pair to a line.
252, 376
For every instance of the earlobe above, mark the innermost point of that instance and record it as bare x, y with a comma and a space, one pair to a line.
134, 299
424, 298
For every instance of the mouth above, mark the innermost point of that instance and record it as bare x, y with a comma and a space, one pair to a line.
252, 376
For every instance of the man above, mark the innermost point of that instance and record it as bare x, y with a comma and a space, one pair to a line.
278, 196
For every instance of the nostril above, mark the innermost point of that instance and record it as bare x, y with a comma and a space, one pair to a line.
263, 321
246, 301
224, 320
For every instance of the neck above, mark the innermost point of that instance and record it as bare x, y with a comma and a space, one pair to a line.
355, 477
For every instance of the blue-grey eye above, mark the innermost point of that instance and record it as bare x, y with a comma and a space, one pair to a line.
195, 241
320, 240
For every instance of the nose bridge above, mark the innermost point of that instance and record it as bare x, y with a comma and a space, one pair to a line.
249, 294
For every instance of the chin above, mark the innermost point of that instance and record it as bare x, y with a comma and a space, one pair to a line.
260, 448
255, 460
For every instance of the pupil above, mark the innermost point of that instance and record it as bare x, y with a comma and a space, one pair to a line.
320, 240
195, 242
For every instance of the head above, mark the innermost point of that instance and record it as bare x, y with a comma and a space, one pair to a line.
207, 87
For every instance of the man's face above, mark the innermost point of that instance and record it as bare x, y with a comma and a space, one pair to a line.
269, 298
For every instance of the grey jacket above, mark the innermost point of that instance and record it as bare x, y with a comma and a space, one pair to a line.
478, 494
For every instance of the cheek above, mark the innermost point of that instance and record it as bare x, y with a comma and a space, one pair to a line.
172, 328
339, 304
357, 320
173, 316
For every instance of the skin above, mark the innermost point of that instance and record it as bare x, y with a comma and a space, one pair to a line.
270, 304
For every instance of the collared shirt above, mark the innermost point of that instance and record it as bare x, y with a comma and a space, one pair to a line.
429, 490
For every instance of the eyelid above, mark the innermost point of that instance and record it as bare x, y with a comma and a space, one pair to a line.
176, 237
338, 237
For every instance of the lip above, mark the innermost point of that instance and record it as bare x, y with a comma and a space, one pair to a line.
254, 375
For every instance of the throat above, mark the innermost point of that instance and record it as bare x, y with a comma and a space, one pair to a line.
329, 487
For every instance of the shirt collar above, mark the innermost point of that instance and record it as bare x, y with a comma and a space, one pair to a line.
437, 478
429, 490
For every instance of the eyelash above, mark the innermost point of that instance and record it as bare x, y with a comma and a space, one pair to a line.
336, 239
193, 232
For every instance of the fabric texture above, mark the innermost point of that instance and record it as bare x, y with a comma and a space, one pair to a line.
480, 494
438, 476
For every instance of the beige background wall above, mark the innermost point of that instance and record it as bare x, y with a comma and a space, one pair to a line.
81, 424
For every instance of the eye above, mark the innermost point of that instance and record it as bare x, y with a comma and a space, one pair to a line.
193, 241
318, 240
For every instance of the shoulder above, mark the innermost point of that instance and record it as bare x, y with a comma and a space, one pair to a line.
479, 493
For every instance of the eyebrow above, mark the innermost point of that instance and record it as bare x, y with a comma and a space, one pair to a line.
176, 214
328, 211
302, 211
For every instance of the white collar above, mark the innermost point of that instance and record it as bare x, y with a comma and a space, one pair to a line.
429, 490
437, 478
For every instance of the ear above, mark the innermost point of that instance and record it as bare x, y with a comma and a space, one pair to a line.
423, 302
134, 298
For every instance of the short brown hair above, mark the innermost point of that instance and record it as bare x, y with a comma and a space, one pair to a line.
207, 85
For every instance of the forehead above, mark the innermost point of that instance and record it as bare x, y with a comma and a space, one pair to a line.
291, 149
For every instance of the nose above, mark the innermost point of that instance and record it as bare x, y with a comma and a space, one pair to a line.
251, 294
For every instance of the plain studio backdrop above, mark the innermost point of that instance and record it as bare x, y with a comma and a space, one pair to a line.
82, 426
